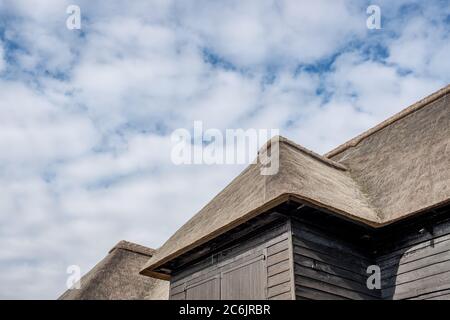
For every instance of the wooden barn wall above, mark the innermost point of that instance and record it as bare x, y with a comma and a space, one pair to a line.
329, 265
256, 268
317, 256
415, 260
331, 260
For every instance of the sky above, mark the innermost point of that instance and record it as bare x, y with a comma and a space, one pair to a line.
86, 115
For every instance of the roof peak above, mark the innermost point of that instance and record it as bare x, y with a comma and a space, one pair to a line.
398, 116
133, 247
283, 140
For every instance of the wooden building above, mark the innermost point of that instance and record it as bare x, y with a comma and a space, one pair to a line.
319, 227
312, 230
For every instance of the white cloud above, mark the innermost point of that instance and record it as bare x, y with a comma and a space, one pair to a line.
257, 32
36, 132
2, 58
412, 49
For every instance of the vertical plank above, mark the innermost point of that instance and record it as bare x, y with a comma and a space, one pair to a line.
291, 259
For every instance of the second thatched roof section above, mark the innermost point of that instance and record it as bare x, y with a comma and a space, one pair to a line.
397, 169
117, 277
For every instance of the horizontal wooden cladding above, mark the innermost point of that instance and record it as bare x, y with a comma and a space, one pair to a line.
333, 283
415, 270
323, 262
279, 289
277, 257
337, 259
282, 296
278, 267
422, 269
436, 295
310, 293
417, 252
328, 268
330, 288
395, 242
419, 287
440, 297
277, 247
302, 262
278, 278
402, 247
329, 243
279, 264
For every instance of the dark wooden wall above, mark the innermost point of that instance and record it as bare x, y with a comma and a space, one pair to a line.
415, 258
310, 254
258, 267
331, 257
328, 265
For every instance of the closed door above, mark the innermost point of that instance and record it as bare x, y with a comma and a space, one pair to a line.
242, 278
246, 281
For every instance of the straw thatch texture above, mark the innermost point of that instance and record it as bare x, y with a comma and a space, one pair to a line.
405, 166
117, 277
317, 182
302, 174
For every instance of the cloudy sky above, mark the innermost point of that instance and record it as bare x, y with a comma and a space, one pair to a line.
86, 115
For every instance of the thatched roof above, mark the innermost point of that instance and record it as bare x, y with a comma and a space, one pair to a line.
399, 168
403, 164
117, 277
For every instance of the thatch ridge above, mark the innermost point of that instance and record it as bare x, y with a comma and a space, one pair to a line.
309, 152
133, 247
412, 108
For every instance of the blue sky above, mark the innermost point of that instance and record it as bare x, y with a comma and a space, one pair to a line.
86, 115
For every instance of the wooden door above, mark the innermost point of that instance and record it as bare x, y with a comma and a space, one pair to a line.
245, 281
208, 289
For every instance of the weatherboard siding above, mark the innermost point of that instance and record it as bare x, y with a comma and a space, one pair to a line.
328, 267
320, 258
415, 263
279, 270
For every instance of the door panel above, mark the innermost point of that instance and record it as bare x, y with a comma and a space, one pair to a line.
240, 277
179, 296
205, 290
246, 281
